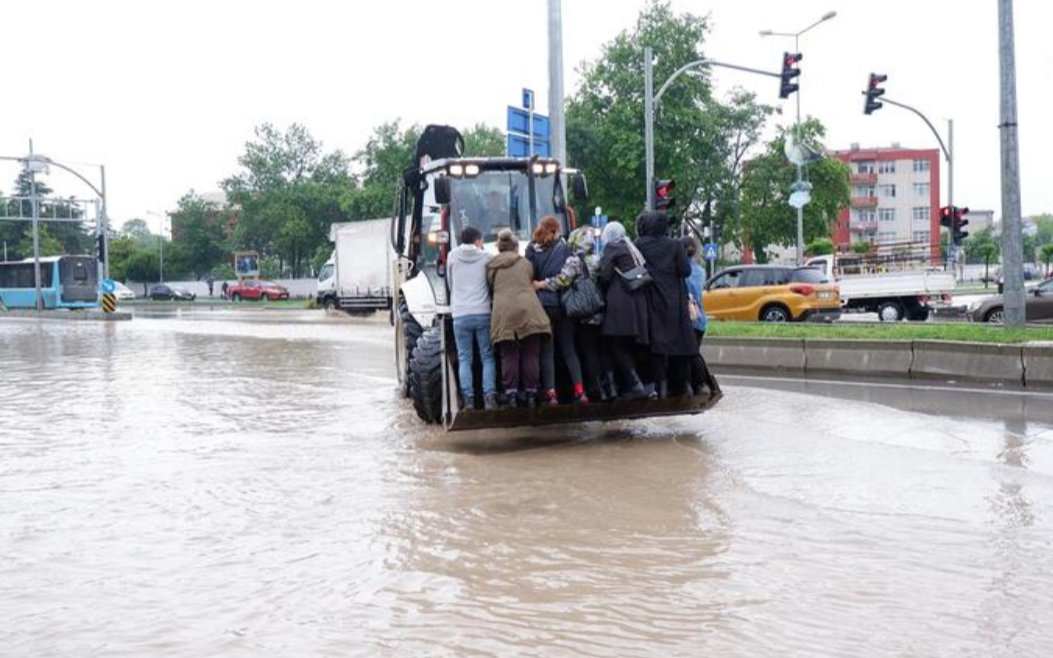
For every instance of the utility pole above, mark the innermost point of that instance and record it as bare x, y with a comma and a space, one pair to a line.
1012, 242
36, 227
557, 124
648, 72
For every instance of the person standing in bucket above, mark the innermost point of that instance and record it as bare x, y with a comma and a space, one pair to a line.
470, 307
518, 322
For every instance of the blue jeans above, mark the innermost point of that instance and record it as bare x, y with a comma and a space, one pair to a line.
469, 329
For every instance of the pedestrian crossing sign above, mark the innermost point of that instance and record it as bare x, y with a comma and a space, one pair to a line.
709, 252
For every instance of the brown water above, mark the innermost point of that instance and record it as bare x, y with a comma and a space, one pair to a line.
249, 484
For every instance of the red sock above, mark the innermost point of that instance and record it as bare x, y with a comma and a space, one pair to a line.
579, 388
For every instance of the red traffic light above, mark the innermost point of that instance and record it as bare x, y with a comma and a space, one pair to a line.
876, 79
789, 59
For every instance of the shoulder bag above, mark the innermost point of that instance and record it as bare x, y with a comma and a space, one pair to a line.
637, 276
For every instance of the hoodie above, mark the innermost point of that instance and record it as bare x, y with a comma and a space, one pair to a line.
466, 274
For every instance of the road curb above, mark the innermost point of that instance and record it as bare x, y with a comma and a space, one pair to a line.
1028, 366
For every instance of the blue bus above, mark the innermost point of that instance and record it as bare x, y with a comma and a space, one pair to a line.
65, 282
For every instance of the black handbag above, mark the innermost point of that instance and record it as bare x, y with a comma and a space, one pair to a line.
582, 298
636, 277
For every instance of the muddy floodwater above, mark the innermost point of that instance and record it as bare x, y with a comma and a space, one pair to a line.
249, 483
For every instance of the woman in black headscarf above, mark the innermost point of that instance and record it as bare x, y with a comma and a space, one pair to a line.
672, 337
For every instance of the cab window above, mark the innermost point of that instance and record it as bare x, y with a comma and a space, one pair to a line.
725, 280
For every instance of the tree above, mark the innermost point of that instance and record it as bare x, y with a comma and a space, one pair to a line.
605, 116
1043, 230
482, 141
1046, 252
820, 247
862, 248
197, 244
988, 251
767, 218
138, 230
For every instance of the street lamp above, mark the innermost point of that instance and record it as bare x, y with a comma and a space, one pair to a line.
160, 242
797, 123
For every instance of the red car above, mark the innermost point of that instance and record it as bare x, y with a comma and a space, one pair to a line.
257, 290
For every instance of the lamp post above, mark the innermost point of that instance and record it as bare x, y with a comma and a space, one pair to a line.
160, 242
797, 122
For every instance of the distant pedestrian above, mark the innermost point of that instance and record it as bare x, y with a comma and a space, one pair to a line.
223, 289
210, 281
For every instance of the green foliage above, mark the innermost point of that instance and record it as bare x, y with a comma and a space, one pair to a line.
862, 248
49, 244
1046, 253
199, 225
139, 231
767, 218
141, 265
981, 247
820, 247
1043, 230
482, 140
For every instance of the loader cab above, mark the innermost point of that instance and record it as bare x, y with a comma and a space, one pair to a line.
445, 196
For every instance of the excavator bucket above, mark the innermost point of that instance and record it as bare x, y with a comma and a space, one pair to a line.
581, 413
462, 420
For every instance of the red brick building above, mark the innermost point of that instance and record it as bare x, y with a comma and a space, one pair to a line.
895, 198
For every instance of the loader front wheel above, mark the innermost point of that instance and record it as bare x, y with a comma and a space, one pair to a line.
425, 376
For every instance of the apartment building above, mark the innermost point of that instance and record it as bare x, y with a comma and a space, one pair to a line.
895, 197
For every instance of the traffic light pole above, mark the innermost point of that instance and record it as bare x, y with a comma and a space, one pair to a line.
651, 100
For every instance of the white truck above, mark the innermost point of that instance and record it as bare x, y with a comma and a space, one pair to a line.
894, 294
357, 277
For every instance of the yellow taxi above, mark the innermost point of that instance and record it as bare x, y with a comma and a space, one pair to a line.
772, 293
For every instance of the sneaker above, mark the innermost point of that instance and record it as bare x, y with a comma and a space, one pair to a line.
490, 402
581, 398
528, 399
512, 399
550, 398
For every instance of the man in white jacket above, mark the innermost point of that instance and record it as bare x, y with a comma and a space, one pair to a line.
470, 306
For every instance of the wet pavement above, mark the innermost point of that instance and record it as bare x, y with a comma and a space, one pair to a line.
233, 483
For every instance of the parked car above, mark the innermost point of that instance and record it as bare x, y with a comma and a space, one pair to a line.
771, 293
257, 291
165, 292
1038, 306
122, 291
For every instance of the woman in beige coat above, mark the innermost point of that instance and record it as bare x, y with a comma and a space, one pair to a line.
517, 321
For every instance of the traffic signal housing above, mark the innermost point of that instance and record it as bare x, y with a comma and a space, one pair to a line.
789, 72
663, 194
874, 91
958, 221
946, 216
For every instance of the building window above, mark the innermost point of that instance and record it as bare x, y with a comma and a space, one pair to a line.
886, 214
920, 236
887, 167
865, 167
920, 214
865, 215
921, 189
886, 236
865, 191
887, 190
921, 166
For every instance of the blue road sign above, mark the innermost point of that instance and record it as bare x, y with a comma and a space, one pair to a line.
709, 251
108, 286
519, 119
528, 99
519, 146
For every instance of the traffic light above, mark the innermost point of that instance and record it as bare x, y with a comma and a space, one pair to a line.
958, 220
874, 92
946, 215
663, 194
100, 247
789, 72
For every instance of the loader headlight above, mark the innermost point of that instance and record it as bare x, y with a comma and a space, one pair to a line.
458, 170
545, 168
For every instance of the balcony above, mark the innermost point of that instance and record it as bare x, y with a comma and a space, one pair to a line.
863, 227
864, 202
863, 179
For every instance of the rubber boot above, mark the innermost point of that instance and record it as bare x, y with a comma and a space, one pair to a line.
662, 388
637, 391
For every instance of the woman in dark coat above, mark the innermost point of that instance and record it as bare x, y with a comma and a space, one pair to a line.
625, 323
548, 253
672, 336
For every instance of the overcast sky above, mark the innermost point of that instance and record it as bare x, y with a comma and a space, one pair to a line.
165, 94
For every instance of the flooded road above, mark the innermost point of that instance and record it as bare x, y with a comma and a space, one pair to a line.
249, 484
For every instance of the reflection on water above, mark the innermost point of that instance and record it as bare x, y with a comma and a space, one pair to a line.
206, 483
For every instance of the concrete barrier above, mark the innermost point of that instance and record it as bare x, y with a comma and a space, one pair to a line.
859, 357
1038, 366
978, 362
766, 353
